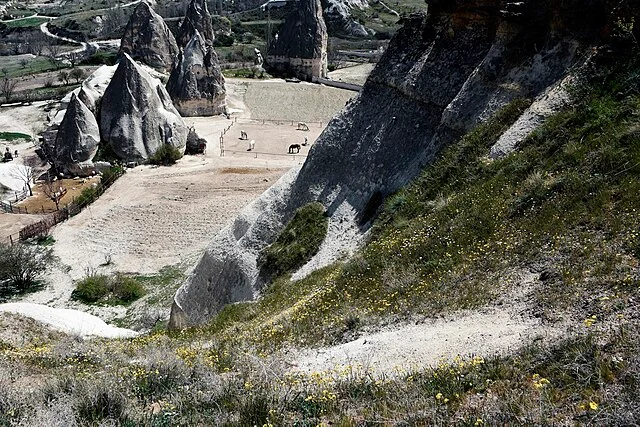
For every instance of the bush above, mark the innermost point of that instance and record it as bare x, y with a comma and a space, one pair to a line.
165, 155
127, 289
20, 265
99, 288
92, 288
297, 243
87, 196
111, 174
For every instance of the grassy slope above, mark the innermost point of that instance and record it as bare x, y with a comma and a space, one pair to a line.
565, 206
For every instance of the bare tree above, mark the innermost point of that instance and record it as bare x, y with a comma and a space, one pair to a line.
63, 77
27, 173
54, 50
54, 190
37, 43
8, 87
74, 58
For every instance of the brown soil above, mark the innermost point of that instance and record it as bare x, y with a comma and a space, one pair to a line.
40, 203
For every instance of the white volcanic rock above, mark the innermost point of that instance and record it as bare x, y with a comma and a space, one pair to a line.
148, 39
93, 88
196, 84
70, 321
137, 116
77, 139
196, 20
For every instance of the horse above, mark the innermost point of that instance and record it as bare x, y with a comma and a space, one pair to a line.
302, 126
243, 135
294, 147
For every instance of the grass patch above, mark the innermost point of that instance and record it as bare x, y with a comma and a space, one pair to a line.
297, 243
26, 22
14, 136
110, 290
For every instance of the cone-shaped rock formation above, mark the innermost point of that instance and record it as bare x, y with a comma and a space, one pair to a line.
77, 140
137, 116
197, 19
196, 84
148, 39
300, 49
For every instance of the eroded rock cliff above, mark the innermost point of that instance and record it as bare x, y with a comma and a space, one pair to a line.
441, 75
197, 19
77, 140
137, 116
148, 39
196, 84
300, 49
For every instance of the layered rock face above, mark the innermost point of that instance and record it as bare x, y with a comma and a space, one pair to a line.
337, 14
137, 116
196, 84
196, 20
301, 47
77, 140
441, 75
148, 39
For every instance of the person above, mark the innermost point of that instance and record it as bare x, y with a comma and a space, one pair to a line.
306, 141
15, 154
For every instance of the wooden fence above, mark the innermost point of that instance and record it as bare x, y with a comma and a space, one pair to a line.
8, 206
43, 226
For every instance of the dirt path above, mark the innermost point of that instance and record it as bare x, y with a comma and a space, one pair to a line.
505, 326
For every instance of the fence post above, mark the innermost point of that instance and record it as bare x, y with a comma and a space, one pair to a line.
11, 239
11, 206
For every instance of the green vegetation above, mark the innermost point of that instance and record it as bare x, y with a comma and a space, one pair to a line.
166, 155
113, 290
34, 21
13, 136
20, 266
297, 243
89, 194
15, 66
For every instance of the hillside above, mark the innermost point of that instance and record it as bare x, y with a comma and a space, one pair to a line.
564, 208
444, 205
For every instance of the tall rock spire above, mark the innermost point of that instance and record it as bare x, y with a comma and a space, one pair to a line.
197, 19
148, 39
137, 116
196, 84
300, 48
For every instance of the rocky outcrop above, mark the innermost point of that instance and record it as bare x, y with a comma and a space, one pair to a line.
337, 15
441, 75
137, 116
300, 49
196, 20
77, 140
196, 84
148, 39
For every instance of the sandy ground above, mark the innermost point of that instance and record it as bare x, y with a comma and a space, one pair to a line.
406, 348
504, 326
158, 216
356, 74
